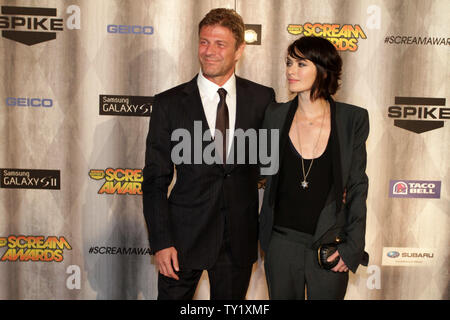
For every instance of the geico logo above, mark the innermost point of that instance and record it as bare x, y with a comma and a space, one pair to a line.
113, 28
29, 102
31, 23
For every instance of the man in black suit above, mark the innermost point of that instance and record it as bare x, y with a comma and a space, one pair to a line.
210, 220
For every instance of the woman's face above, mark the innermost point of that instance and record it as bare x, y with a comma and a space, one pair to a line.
301, 74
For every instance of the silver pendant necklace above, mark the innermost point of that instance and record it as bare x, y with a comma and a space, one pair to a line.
305, 183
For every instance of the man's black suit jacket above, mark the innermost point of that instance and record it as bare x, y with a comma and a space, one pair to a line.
205, 197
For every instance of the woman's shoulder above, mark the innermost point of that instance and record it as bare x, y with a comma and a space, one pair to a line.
351, 110
276, 113
278, 107
349, 107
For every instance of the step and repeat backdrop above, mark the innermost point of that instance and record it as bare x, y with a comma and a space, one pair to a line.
78, 80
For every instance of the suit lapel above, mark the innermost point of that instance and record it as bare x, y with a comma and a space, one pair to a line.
243, 114
194, 111
193, 103
243, 102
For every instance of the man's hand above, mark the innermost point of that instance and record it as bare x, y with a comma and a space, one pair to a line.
341, 266
164, 259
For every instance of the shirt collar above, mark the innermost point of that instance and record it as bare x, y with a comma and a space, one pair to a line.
209, 88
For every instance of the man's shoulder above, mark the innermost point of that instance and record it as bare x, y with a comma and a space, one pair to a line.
176, 91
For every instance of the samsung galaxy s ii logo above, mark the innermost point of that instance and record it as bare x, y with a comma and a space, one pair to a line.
33, 25
30, 179
114, 105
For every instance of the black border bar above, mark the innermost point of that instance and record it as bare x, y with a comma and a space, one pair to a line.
29, 11
420, 101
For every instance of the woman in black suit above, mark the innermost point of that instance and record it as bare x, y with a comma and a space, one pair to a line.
318, 196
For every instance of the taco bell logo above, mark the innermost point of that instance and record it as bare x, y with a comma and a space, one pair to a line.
400, 188
414, 189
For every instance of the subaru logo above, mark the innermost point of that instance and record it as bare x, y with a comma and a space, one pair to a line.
393, 254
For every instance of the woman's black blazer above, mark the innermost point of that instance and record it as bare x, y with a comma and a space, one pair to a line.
347, 221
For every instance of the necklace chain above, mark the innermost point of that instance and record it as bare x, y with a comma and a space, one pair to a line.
304, 183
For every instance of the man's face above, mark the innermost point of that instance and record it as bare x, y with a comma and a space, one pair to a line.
217, 53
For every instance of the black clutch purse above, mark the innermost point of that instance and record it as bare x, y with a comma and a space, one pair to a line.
325, 251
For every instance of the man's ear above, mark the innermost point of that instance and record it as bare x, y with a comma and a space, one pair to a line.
239, 51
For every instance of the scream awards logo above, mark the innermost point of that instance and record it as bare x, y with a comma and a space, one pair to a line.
34, 248
111, 105
119, 181
32, 25
414, 189
30, 179
343, 36
418, 114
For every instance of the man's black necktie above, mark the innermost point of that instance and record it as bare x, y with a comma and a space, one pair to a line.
222, 121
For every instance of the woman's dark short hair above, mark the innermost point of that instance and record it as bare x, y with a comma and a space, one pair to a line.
326, 59
227, 18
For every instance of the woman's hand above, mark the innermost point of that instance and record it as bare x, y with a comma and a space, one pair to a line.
341, 266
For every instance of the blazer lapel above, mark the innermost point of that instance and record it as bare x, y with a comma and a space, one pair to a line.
333, 203
336, 154
285, 126
344, 144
